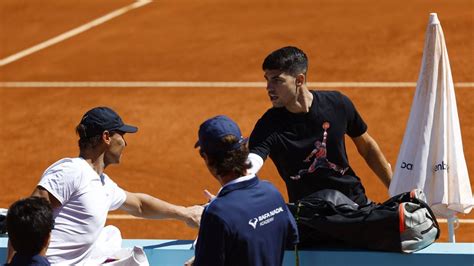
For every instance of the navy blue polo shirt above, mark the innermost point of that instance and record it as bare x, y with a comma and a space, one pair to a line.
248, 223
22, 260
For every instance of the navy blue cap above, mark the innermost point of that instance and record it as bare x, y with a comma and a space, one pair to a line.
99, 119
213, 130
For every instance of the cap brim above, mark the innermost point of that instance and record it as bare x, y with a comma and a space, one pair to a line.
128, 129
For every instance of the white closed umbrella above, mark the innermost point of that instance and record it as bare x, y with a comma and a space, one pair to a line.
431, 157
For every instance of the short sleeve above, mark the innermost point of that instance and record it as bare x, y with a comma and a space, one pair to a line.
261, 138
355, 124
60, 181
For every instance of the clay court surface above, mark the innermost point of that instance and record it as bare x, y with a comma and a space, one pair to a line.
212, 41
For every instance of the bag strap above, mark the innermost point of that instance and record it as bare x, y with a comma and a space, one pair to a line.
297, 218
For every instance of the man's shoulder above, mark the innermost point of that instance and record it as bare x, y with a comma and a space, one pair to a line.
271, 192
65, 164
271, 119
267, 185
218, 210
327, 93
245, 198
67, 169
273, 113
333, 99
228, 202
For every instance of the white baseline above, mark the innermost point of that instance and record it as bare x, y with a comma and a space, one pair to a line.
204, 84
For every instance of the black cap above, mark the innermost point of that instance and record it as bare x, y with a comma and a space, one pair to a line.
99, 119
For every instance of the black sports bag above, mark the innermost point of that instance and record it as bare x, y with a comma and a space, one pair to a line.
328, 218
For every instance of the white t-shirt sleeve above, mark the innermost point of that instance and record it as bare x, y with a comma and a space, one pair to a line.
257, 163
59, 180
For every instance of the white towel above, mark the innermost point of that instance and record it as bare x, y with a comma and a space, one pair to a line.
109, 247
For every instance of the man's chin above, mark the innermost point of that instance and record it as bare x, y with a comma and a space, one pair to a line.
113, 161
277, 104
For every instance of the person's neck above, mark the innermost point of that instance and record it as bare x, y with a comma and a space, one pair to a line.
303, 101
95, 159
228, 178
43, 251
45, 247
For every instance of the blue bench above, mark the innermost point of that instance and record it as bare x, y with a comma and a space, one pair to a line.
176, 252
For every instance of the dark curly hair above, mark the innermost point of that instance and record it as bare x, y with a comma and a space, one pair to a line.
233, 161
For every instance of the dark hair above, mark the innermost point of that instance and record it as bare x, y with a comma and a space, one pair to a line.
84, 141
288, 59
89, 142
29, 224
233, 161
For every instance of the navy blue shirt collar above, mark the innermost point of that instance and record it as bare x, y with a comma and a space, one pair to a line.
238, 185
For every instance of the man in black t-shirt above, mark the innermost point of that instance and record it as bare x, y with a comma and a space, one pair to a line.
304, 133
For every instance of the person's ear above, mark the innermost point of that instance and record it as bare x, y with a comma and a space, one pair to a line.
300, 79
106, 137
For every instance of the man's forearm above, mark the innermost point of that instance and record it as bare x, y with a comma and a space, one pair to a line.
146, 206
153, 208
370, 151
379, 165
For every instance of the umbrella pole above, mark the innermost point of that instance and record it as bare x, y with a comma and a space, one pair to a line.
451, 236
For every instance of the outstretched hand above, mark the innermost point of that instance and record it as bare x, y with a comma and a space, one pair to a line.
194, 213
193, 217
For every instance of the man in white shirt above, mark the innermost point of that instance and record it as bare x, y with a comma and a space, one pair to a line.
81, 194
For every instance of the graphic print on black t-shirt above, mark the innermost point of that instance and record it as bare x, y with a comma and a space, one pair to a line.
320, 157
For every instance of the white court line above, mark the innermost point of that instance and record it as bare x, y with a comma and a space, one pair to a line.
461, 221
199, 84
130, 217
73, 32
